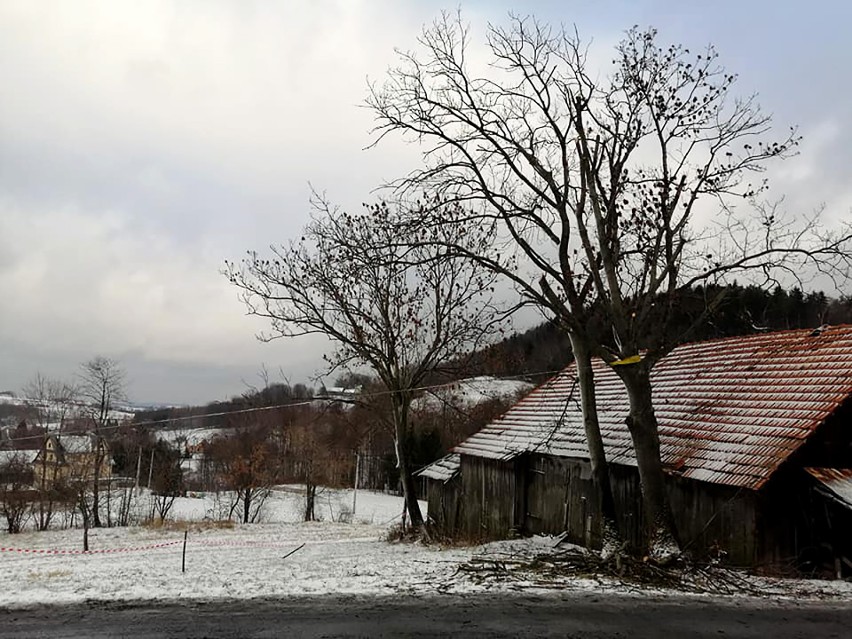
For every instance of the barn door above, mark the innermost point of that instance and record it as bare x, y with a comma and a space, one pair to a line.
536, 488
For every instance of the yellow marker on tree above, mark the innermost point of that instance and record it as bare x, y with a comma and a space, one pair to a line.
633, 359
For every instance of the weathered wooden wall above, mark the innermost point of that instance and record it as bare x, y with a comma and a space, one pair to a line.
491, 498
558, 498
444, 503
538, 494
715, 519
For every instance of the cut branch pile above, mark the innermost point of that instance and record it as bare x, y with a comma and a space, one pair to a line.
554, 569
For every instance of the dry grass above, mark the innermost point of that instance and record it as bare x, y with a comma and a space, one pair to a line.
47, 575
192, 526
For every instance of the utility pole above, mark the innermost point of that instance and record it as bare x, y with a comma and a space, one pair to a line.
151, 469
138, 469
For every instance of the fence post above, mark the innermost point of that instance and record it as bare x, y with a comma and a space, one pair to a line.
183, 557
355, 491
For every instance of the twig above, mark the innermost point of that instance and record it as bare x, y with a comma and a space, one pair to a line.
295, 550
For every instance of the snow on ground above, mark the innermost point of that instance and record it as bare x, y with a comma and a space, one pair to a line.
241, 561
254, 560
477, 390
286, 505
179, 437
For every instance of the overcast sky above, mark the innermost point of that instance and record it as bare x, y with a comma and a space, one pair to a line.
143, 143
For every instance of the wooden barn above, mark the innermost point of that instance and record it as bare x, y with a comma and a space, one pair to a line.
756, 438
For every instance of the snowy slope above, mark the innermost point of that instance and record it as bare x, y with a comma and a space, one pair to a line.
476, 390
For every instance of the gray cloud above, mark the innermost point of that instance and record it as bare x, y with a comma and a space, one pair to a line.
144, 143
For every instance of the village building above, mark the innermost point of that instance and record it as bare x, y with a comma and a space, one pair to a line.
15, 465
67, 458
756, 440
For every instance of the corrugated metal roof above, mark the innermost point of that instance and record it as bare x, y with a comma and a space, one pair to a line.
443, 470
730, 411
837, 481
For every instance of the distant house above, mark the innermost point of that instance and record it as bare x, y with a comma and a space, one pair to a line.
16, 465
756, 440
72, 458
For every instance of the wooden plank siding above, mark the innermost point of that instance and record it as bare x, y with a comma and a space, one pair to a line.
492, 498
713, 519
541, 494
561, 498
444, 503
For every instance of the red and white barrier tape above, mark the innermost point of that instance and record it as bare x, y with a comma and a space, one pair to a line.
247, 543
277, 544
103, 551
201, 542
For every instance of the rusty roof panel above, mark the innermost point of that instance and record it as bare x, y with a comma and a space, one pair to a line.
837, 481
730, 411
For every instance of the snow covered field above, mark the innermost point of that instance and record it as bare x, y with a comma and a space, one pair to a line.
241, 561
251, 561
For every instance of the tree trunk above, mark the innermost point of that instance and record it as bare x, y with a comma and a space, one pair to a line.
409, 493
310, 499
642, 423
597, 455
246, 506
96, 517
84, 513
108, 501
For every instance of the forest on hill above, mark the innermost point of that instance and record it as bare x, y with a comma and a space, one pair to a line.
743, 310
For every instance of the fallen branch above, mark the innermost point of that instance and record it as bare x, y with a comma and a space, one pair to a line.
295, 550
551, 568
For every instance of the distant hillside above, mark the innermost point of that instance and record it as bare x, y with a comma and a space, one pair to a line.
543, 349
743, 311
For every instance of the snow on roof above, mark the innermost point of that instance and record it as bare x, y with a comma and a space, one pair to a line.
443, 470
730, 411
76, 444
17, 457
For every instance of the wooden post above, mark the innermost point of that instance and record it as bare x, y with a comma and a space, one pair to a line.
355, 491
183, 557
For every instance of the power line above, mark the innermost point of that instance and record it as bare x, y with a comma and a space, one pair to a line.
360, 396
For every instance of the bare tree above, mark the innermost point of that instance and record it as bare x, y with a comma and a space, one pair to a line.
16, 494
75, 484
600, 185
403, 312
315, 447
245, 464
52, 401
167, 480
102, 385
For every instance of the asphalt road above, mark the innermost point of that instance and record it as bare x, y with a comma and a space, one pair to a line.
484, 615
